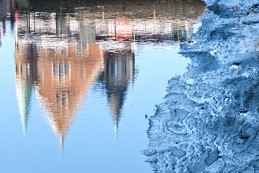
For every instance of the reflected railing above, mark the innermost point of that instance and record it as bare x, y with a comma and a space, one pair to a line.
60, 52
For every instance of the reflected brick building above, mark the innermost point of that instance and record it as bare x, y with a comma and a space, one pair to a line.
61, 53
62, 68
64, 77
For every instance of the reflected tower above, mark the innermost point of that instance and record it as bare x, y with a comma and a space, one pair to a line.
0, 37
64, 77
118, 73
68, 62
26, 68
69, 59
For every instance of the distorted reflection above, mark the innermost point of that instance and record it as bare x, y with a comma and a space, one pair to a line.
65, 68
26, 75
118, 72
7, 11
62, 51
64, 76
0, 36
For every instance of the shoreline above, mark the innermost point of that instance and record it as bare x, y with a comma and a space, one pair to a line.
208, 122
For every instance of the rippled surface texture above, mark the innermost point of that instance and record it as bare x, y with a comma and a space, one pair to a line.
209, 120
84, 76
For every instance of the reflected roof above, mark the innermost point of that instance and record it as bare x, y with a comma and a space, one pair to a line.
23, 93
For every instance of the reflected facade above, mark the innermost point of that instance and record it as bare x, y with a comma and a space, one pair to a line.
7, 12
26, 75
64, 77
118, 73
65, 67
61, 53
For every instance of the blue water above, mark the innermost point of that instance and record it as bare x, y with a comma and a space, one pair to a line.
92, 142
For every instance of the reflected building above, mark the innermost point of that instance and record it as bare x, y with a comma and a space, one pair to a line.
63, 50
153, 21
26, 70
68, 62
7, 11
9, 6
119, 69
64, 77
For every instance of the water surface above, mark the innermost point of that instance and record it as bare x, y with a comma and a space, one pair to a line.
80, 80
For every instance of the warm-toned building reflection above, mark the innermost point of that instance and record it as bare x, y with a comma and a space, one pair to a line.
68, 62
65, 75
63, 50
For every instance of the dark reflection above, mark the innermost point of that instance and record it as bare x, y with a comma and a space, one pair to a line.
62, 47
118, 72
7, 11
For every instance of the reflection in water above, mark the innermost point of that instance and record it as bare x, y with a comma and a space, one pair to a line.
62, 73
7, 10
119, 70
26, 74
61, 51
0, 37
64, 76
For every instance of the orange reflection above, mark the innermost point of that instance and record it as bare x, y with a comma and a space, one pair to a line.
64, 78
61, 54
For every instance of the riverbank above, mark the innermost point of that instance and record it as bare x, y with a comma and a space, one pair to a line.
209, 120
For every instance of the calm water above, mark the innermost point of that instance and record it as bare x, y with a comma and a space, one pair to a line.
79, 81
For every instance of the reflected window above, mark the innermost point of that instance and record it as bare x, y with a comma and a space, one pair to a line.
82, 73
60, 69
62, 98
55, 69
66, 69
58, 97
116, 70
39, 74
23, 70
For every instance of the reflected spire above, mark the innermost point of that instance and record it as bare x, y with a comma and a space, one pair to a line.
67, 74
65, 69
23, 92
118, 73
116, 103
61, 141
69, 59
24, 60
67, 78
116, 127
